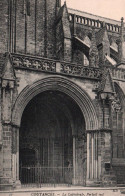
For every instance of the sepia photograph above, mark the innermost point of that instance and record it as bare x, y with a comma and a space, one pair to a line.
62, 98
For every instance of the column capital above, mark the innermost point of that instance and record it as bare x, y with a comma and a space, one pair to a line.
15, 126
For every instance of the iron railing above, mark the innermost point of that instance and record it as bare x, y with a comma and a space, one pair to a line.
37, 175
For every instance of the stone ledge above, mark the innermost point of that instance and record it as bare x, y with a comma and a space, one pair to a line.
63, 191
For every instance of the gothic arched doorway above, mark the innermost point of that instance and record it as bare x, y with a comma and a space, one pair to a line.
81, 104
52, 132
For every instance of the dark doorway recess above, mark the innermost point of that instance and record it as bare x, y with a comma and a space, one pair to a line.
48, 125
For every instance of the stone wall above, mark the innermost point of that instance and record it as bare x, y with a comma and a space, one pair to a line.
32, 32
4, 26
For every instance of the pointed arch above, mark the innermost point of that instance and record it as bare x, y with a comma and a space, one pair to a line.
120, 93
60, 84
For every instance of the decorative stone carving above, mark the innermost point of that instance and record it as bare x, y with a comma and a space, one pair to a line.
115, 103
42, 64
34, 63
81, 71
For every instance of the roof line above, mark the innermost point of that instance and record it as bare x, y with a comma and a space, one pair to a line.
94, 15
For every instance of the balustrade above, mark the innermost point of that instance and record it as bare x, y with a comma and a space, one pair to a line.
94, 23
34, 63
48, 65
54, 66
117, 73
86, 72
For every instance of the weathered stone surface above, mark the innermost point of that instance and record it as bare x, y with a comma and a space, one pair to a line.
53, 88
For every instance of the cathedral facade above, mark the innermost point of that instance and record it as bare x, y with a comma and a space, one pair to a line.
62, 96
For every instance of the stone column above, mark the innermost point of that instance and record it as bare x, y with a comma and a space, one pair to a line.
7, 137
88, 156
93, 157
74, 161
7, 86
1, 148
108, 175
99, 156
81, 160
15, 156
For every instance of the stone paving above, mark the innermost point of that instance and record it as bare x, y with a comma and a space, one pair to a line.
65, 191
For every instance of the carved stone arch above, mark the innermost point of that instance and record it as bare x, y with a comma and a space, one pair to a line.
80, 57
120, 93
61, 84
118, 115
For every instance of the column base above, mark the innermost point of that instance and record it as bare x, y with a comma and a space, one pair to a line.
17, 184
109, 179
93, 183
78, 182
6, 183
74, 181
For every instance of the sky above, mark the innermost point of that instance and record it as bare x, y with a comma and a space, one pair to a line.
114, 9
